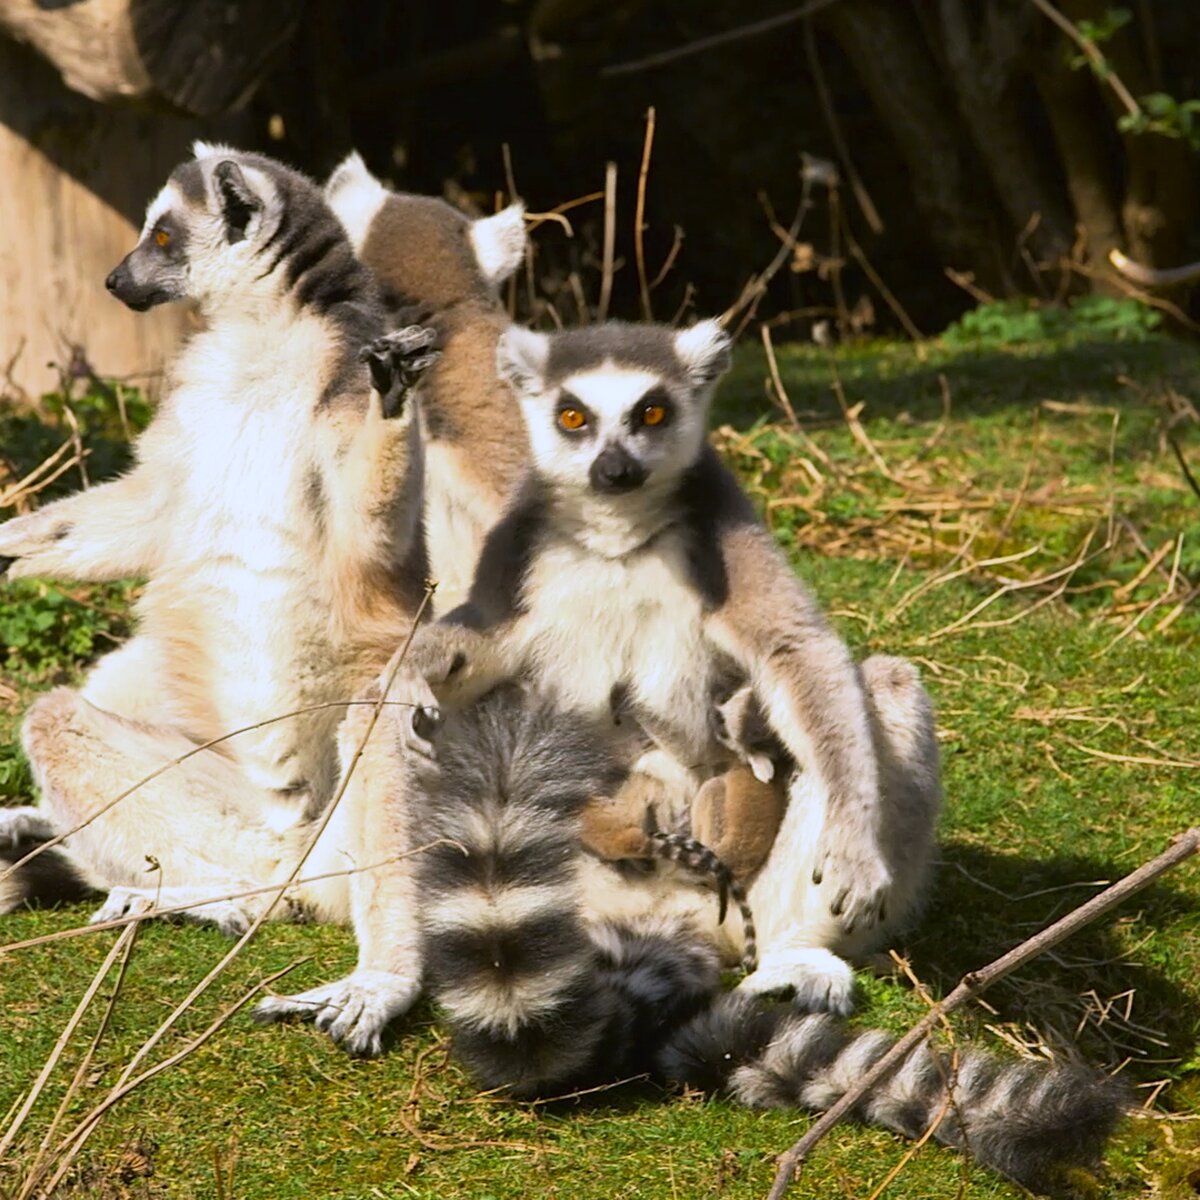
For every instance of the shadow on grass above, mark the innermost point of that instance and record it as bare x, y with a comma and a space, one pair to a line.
891, 379
1101, 989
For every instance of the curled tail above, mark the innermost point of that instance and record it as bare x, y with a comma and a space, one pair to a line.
49, 877
543, 999
697, 857
540, 999
1027, 1120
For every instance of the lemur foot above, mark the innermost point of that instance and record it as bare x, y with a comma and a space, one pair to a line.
857, 885
397, 361
818, 980
231, 917
354, 1011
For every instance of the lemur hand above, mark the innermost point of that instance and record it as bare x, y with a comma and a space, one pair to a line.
855, 878
419, 723
397, 361
23, 539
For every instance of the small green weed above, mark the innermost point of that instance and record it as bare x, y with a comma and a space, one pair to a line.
1018, 322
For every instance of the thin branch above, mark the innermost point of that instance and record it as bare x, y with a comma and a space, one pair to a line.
975, 982
74, 1141
610, 234
172, 909
716, 39
639, 217
50, 843
1183, 466
1092, 52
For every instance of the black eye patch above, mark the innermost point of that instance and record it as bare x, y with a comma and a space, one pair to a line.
168, 237
571, 416
655, 410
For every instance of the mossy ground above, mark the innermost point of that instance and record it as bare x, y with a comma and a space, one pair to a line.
1035, 816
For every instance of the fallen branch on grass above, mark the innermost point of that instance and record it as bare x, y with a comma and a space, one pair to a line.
975, 982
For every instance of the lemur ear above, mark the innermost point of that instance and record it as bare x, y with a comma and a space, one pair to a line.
499, 243
703, 351
521, 359
349, 172
238, 201
355, 196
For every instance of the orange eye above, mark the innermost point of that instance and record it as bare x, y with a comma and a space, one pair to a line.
653, 414
572, 419
161, 237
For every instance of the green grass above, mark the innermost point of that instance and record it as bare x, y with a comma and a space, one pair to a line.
1033, 818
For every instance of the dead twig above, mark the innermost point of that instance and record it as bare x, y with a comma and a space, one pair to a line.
610, 234
975, 982
717, 39
1092, 52
14, 1126
639, 217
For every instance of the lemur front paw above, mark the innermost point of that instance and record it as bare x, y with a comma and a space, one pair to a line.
397, 361
23, 539
419, 725
354, 1011
857, 883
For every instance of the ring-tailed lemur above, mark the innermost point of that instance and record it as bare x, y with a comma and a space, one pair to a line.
632, 565
544, 997
433, 263
274, 510
633, 560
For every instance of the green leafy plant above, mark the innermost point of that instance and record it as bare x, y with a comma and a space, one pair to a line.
44, 628
1018, 321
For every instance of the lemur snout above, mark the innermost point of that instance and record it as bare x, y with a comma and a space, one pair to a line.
615, 470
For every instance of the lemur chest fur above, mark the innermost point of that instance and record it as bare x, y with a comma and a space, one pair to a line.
634, 622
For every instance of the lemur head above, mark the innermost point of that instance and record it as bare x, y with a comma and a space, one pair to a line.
221, 228
423, 250
615, 409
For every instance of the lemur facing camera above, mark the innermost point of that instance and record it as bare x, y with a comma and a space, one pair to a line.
274, 511
631, 571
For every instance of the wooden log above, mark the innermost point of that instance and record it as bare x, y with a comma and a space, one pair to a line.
75, 177
202, 56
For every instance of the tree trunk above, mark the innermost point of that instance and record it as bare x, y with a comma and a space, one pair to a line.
984, 58
75, 177
882, 40
202, 56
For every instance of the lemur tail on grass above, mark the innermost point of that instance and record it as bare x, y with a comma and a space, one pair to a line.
544, 1001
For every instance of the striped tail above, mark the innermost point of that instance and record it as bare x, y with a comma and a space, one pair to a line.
697, 857
540, 1000
50, 877
543, 1001
1029, 1121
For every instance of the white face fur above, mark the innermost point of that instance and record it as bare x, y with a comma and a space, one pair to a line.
202, 232
621, 430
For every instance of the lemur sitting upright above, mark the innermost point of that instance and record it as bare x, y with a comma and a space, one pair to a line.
274, 511
436, 265
632, 570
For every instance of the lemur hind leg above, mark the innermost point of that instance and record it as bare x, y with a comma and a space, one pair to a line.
369, 830
803, 944
174, 830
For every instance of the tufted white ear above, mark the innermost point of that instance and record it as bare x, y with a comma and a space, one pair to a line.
521, 359
201, 149
704, 350
355, 196
499, 243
